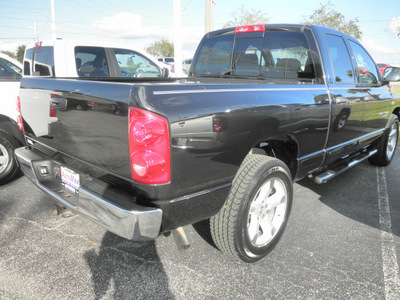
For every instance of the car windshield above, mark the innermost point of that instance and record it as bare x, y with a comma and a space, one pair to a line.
9, 70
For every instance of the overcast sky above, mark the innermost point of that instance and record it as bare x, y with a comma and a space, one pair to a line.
137, 23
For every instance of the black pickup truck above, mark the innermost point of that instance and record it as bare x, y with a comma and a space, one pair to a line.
263, 106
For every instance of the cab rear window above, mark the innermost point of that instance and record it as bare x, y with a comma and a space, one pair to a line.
279, 54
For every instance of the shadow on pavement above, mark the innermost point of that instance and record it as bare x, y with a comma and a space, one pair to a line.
203, 230
354, 194
125, 269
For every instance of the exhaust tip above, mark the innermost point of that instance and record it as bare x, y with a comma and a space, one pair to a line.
180, 239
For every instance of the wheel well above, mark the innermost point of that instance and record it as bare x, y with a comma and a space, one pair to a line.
284, 149
397, 112
11, 128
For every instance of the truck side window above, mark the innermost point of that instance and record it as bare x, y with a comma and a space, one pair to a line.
340, 59
366, 67
133, 64
91, 62
43, 61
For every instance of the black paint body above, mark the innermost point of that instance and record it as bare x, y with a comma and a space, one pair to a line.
90, 133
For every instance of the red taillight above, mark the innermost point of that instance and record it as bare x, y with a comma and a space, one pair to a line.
53, 112
19, 116
149, 147
250, 28
38, 44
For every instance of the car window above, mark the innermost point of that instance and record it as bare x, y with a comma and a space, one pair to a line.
133, 64
91, 62
9, 70
340, 59
43, 61
367, 72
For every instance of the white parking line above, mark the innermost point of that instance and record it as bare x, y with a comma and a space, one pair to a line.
389, 257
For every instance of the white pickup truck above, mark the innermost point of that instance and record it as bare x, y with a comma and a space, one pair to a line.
10, 135
69, 58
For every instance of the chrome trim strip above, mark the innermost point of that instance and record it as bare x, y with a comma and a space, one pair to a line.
175, 92
354, 141
187, 197
311, 155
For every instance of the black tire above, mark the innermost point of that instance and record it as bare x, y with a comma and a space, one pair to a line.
340, 121
230, 228
8, 166
386, 144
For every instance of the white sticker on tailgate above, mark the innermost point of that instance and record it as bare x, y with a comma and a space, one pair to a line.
70, 179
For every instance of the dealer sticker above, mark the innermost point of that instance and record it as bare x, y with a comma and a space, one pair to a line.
70, 179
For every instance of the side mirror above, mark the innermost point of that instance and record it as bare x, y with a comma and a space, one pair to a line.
391, 74
164, 72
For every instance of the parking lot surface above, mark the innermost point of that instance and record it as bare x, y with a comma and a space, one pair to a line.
342, 242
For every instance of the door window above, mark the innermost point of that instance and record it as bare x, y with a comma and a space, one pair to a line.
91, 62
133, 64
367, 72
340, 59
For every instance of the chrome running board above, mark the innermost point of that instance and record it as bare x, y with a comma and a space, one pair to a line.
328, 175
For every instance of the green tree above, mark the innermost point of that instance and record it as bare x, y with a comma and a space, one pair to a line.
246, 17
20, 52
9, 53
327, 16
161, 48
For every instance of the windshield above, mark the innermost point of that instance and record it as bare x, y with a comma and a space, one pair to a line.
9, 70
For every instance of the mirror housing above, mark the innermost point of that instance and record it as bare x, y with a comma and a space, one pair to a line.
391, 74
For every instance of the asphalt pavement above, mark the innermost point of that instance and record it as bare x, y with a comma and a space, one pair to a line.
342, 242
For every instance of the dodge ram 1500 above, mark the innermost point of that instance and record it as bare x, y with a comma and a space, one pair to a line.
263, 106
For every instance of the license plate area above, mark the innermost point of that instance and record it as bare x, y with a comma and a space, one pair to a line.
70, 179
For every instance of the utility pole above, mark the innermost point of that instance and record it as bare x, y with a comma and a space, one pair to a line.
209, 18
53, 19
177, 37
36, 32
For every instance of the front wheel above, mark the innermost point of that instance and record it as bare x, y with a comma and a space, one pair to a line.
256, 211
387, 144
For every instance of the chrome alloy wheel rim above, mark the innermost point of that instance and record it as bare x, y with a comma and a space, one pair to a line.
392, 141
342, 122
267, 212
4, 158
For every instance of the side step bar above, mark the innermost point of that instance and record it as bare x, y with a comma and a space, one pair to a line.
328, 175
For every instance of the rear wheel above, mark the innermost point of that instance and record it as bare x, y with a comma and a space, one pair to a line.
256, 211
8, 164
387, 144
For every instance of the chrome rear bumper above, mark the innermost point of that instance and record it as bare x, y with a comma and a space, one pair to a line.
114, 212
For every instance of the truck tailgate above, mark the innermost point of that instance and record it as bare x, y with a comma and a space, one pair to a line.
86, 120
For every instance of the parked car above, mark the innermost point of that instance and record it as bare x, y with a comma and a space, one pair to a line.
186, 65
11, 136
263, 106
382, 67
